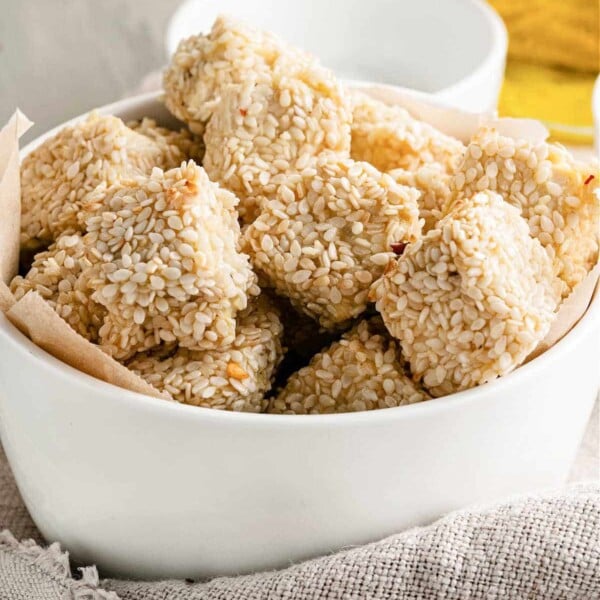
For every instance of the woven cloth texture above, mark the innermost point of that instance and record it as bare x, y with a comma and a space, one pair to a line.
540, 546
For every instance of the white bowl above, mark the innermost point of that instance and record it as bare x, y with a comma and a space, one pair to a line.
455, 49
149, 488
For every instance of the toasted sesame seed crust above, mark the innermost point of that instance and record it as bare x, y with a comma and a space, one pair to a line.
260, 132
362, 371
548, 186
390, 138
59, 275
167, 262
231, 53
472, 298
176, 146
327, 235
57, 175
433, 183
203, 64
236, 377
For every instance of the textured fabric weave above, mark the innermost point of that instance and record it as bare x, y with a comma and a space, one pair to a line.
542, 546
13, 514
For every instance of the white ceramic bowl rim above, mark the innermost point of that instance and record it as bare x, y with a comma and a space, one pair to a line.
11, 334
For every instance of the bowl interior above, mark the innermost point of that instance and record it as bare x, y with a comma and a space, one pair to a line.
400, 42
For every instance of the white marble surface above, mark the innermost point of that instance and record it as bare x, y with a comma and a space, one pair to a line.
59, 58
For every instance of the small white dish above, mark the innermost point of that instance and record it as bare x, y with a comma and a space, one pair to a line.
454, 49
148, 488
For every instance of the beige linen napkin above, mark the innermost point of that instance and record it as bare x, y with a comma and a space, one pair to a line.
541, 546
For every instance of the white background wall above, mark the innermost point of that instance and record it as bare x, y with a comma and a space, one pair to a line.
59, 58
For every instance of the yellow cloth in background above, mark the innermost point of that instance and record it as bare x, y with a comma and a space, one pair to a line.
563, 33
554, 58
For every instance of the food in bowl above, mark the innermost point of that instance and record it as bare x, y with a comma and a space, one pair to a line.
472, 298
311, 195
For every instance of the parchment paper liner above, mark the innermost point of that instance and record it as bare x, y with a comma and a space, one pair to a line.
455, 122
571, 310
42, 325
36, 319
10, 194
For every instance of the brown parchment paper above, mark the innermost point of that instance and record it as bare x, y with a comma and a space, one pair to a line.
10, 195
455, 122
6, 297
32, 314
42, 325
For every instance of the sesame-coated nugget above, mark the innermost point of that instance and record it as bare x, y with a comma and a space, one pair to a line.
58, 174
434, 185
390, 138
59, 275
168, 265
260, 132
362, 371
177, 146
472, 298
327, 235
552, 191
203, 64
232, 51
236, 377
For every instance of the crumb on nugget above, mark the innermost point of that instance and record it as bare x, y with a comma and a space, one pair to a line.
167, 265
235, 377
471, 299
362, 371
327, 235
548, 187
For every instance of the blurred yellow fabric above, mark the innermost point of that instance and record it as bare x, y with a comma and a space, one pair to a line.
554, 58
